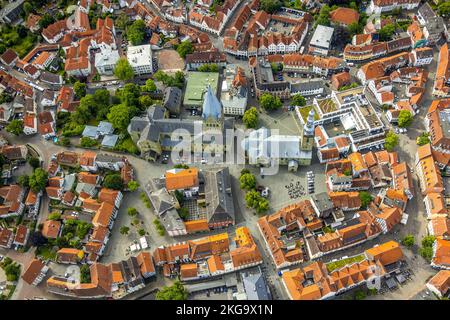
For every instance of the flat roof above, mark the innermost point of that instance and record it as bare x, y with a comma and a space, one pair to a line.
197, 82
322, 36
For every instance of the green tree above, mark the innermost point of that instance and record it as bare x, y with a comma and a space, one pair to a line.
119, 117
46, 20
85, 274
423, 139
132, 212
444, 8
298, 100
386, 32
405, 118
136, 32
247, 181
24, 181
145, 101
365, 198
185, 48
15, 127
324, 16
270, 6
250, 118
123, 69
408, 240
141, 232
122, 21
132, 185
208, 68
428, 241
38, 180
34, 162
64, 141
27, 8
113, 181
183, 212
124, 230
269, 102
87, 142
79, 88
174, 292
391, 141
54, 216
149, 86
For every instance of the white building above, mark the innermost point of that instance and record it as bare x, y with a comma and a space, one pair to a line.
140, 59
234, 92
321, 40
106, 60
379, 6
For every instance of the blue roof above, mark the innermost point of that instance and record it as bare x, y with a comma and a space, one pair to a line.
110, 140
211, 105
90, 131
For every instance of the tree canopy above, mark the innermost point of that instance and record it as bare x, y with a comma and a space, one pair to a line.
38, 180
298, 100
408, 240
123, 70
184, 48
423, 139
79, 89
247, 181
174, 292
405, 118
365, 198
391, 141
119, 117
136, 32
113, 181
250, 118
15, 127
270, 102
270, 6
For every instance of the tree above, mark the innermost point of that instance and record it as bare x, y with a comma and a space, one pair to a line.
365, 198
54, 216
185, 48
444, 8
324, 16
119, 117
46, 20
79, 88
247, 181
122, 21
174, 292
38, 180
24, 181
123, 70
132, 212
132, 185
87, 142
15, 127
85, 274
113, 181
149, 86
136, 32
408, 240
141, 232
405, 118
270, 6
386, 32
124, 230
298, 100
270, 102
208, 68
183, 212
423, 139
34, 162
428, 241
250, 118
27, 8
145, 101
391, 141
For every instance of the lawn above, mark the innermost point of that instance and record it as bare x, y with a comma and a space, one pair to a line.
305, 111
331, 266
25, 45
127, 145
46, 252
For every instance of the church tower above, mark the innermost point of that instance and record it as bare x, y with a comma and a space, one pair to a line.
308, 132
212, 111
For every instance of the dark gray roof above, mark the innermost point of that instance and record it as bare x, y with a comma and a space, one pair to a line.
426, 12
108, 158
131, 272
306, 86
50, 77
137, 124
322, 201
219, 196
172, 99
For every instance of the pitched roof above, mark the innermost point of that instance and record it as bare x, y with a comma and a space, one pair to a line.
51, 229
387, 253
33, 270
